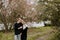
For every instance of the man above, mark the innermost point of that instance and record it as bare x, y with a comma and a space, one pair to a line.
18, 28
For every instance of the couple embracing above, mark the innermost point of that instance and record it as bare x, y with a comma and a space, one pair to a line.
20, 31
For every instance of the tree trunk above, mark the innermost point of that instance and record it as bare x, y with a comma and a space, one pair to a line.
6, 27
10, 27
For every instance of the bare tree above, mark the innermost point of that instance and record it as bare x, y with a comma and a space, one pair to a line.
10, 9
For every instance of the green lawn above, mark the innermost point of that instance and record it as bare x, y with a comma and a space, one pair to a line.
33, 33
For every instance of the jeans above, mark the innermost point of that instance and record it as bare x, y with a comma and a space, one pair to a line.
17, 37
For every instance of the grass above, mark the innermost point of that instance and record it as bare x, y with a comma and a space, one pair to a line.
42, 31
6, 36
55, 36
32, 33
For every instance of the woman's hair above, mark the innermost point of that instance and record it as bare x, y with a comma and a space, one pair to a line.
19, 17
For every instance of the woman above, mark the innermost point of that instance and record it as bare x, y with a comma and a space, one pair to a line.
24, 32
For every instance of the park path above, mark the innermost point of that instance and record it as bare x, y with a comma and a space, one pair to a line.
44, 37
